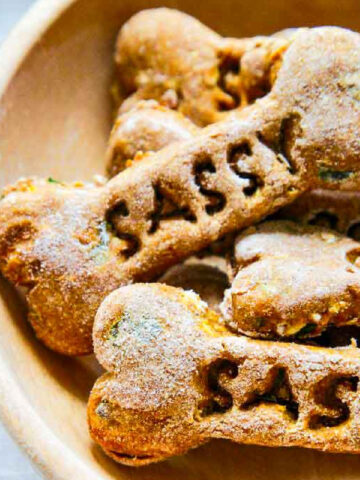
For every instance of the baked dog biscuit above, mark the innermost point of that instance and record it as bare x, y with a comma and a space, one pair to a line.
292, 280
168, 56
176, 378
73, 245
187, 67
147, 127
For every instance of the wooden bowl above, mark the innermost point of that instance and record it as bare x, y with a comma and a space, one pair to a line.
55, 115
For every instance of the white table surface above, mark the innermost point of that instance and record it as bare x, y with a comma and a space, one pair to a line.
13, 463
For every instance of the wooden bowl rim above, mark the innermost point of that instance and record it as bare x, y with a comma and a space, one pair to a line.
47, 452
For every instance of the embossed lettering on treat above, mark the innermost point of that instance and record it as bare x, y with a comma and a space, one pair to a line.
194, 380
326, 395
166, 208
203, 170
73, 275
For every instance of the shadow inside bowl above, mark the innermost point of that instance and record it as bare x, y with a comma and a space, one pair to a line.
76, 375
240, 462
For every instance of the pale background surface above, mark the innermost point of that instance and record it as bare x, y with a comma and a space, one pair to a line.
13, 463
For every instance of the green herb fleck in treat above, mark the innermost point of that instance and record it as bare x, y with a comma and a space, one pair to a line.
290, 228
259, 322
333, 175
143, 328
114, 330
104, 233
103, 409
52, 180
308, 328
269, 289
122, 321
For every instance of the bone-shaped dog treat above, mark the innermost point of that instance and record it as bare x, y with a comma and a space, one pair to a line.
337, 210
169, 56
148, 127
293, 280
189, 68
72, 246
177, 378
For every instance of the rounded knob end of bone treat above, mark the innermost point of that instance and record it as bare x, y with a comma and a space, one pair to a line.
146, 128
151, 339
292, 281
141, 56
327, 88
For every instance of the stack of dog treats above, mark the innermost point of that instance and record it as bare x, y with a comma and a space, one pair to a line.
212, 136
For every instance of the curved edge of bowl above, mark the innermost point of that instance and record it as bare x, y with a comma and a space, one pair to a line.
47, 452
25, 34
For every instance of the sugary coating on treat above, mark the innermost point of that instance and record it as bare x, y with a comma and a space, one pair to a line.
184, 197
168, 56
176, 377
147, 128
339, 211
292, 280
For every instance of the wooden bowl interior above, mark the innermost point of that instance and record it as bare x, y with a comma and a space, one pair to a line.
55, 117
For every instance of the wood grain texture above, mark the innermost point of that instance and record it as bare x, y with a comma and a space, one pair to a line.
55, 116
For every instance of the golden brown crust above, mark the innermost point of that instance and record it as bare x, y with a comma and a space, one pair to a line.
187, 67
147, 127
227, 177
168, 56
191, 71
177, 378
292, 281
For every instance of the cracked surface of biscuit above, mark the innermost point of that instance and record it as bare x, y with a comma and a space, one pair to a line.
176, 377
292, 280
156, 213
